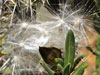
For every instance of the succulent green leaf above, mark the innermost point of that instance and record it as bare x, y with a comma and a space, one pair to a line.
77, 61
50, 72
98, 49
59, 60
66, 70
59, 67
80, 69
70, 48
98, 41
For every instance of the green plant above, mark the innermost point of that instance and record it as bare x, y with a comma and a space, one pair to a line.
98, 50
67, 65
97, 54
96, 17
97, 71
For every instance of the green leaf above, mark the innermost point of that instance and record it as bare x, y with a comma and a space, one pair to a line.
70, 48
59, 67
98, 50
59, 60
98, 41
80, 69
50, 72
96, 22
66, 70
77, 61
